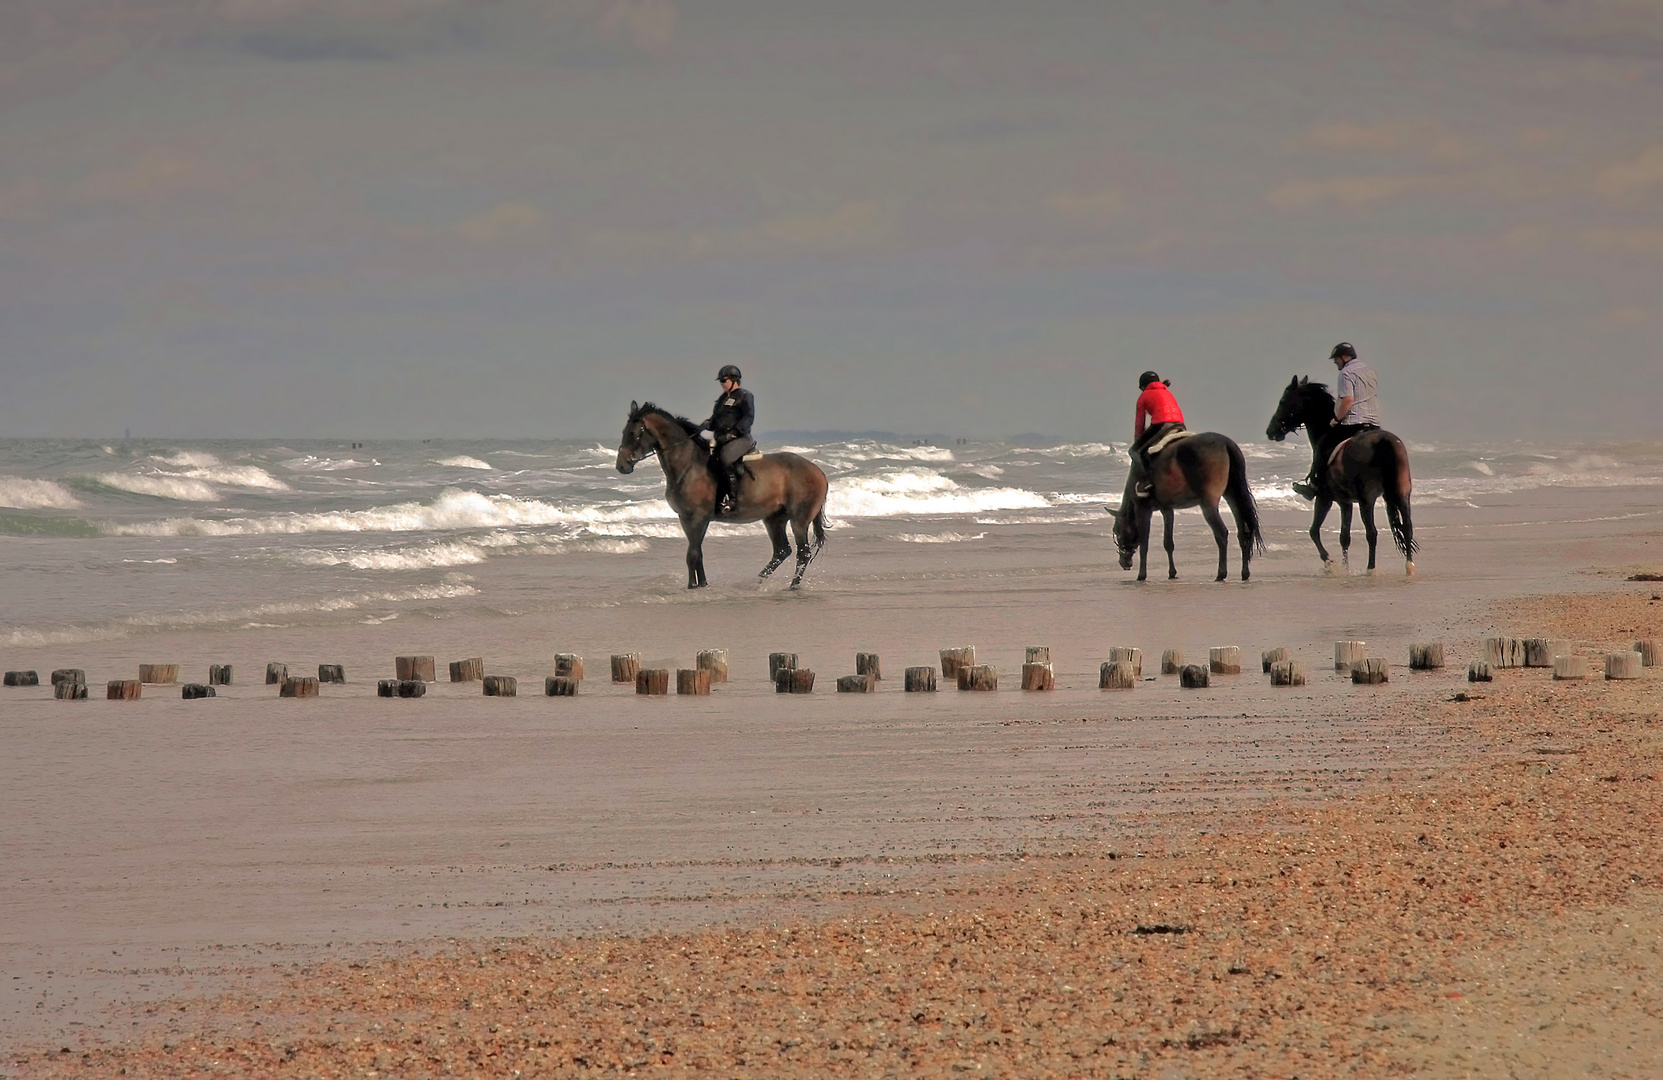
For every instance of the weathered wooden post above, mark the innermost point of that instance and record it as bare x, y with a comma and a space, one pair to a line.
159, 674
219, 674
867, 663
568, 665
1369, 671
780, 661
1038, 676
1347, 653
69, 675
652, 681
24, 678
1129, 655
1570, 667
1623, 665
1651, 652
920, 680
1172, 662
953, 659
978, 677
560, 686
298, 687
859, 683
625, 666
415, 669
500, 686
1273, 656
1037, 654
1287, 673
1479, 671
1503, 652
714, 661
123, 690
1427, 656
69, 690
191, 691
1224, 660
332, 673
793, 680
693, 681
471, 669
1116, 675
1539, 652
276, 673
1193, 677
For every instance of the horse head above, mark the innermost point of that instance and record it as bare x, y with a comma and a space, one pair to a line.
1125, 534
1290, 411
638, 442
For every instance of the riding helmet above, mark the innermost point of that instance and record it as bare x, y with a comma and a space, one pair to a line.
729, 372
1146, 378
1345, 349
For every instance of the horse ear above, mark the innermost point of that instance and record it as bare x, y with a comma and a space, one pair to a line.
1295, 383
634, 406
1304, 380
1115, 510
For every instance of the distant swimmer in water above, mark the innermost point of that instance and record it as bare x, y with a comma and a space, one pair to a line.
730, 426
1356, 409
1156, 403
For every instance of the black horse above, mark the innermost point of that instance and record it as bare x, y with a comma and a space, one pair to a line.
1369, 466
782, 489
1192, 471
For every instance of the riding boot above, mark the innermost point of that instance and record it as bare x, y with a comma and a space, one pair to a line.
1307, 488
731, 496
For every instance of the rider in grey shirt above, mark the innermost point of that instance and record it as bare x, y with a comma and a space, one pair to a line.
1356, 410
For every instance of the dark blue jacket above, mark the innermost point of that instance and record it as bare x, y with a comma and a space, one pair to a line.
732, 416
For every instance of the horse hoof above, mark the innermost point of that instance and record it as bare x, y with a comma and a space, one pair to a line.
698, 585
1409, 570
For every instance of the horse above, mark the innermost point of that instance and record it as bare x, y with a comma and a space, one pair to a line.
1368, 466
783, 489
1192, 471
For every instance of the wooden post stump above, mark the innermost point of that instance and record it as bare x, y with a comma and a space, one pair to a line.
1479, 671
159, 674
408, 688
1622, 665
1116, 675
1426, 657
415, 669
625, 666
1172, 662
191, 691
1651, 652
867, 663
1224, 660
560, 686
694, 681
1570, 667
298, 687
123, 690
860, 683
1277, 655
780, 661
978, 677
714, 661
1038, 677
276, 673
1504, 652
1193, 677
920, 680
1369, 671
1347, 653
70, 691
219, 674
653, 681
501, 686
332, 673
470, 670
568, 665
1127, 654
68, 674
953, 659
1037, 654
1540, 652
794, 681
22, 678
1287, 673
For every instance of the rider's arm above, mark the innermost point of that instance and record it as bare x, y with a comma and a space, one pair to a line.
747, 413
1137, 418
1342, 407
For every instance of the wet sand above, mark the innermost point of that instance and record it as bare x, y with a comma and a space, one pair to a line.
166, 848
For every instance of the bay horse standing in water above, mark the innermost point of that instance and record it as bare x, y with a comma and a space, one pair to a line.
1368, 466
1196, 470
782, 489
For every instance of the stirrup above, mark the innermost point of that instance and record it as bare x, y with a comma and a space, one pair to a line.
1304, 490
1143, 490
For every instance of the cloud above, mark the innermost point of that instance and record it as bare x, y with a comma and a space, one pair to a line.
852, 226
1621, 241
1428, 140
506, 221
1093, 207
1347, 191
650, 24
1636, 174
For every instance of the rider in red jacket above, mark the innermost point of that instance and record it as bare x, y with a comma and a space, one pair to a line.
1161, 408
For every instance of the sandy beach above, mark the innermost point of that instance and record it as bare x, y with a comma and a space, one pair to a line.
1232, 881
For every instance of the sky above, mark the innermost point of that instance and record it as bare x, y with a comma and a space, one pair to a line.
506, 218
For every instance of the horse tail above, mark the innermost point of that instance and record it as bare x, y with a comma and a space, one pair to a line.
1240, 495
820, 529
1396, 486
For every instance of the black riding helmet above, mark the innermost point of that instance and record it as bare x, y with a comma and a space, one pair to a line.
1345, 349
729, 372
1146, 378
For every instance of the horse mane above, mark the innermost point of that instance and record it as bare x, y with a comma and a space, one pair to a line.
689, 426
1317, 390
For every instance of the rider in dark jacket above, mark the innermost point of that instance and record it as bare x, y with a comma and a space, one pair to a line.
730, 423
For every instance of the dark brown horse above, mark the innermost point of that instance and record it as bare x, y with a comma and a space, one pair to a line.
1193, 471
1372, 465
782, 489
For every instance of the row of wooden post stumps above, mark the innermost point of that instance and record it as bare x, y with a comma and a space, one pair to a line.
1120, 671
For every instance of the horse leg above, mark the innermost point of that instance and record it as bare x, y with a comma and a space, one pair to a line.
799, 532
1345, 532
1144, 513
1319, 514
1171, 565
695, 530
1367, 507
1221, 535
775, 523
1244, 536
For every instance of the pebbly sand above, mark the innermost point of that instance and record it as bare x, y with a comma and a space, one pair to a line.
1236, 881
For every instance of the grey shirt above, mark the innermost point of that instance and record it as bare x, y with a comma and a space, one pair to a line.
1357, 382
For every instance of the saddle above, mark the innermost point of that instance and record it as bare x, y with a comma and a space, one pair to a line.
754, 455
1335, 456
1165, 441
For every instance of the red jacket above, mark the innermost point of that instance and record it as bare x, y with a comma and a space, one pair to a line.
1159, 405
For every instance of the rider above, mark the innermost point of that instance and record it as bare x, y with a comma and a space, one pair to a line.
1356, 410
1157, 403
730, 426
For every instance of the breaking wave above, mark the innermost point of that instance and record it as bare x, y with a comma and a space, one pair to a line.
919, 491
22, 494
463, 461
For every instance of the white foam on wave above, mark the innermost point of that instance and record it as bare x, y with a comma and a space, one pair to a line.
937, 538
21, 493
317, 464
920, 491
180, 488
194, 458
1093, 449
463, 461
